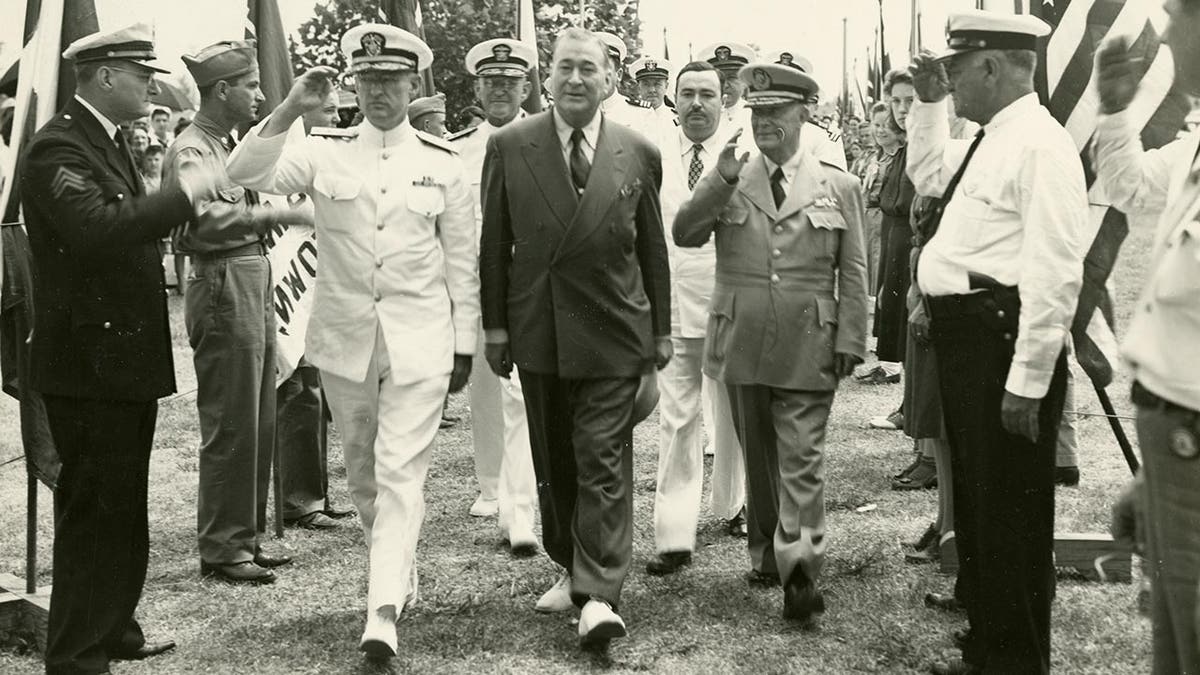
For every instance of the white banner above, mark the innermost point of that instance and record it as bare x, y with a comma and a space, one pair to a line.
292, 250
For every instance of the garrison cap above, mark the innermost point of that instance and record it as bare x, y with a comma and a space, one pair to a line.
727, 56
500, 57
222, 61
776, 84
616, 46
377, 46
132, 43
791, 58
977, 29
425, 105
649, 67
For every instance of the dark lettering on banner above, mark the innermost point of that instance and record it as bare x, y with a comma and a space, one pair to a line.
283, 306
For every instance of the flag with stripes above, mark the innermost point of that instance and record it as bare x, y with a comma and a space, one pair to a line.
1066, 85
44, 84
264, 24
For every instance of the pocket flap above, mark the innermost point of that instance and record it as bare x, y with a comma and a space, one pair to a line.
827, 311
734, 213
827, 220
427, 200
337, 188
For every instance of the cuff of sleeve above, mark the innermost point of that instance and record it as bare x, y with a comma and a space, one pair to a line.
495, 336
466, 338
1027, 382
927, 114
254, 138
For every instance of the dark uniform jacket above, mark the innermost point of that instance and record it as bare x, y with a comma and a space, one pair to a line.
100, 327
580, 282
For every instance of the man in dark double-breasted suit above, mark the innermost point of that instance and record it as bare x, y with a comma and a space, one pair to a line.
576, 294
787, 319
101, 348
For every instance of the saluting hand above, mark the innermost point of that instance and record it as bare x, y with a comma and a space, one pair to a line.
930, 80
310, 90
460, 373
729, 165
1116, 80
1019, 415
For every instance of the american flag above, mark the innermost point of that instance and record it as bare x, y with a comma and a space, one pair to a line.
263, 23
1066, 85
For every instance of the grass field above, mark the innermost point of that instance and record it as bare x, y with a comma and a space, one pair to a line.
476, 610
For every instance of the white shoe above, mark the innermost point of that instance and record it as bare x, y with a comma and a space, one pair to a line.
379, 636
522, 542
558, 598
598, 624
483, 508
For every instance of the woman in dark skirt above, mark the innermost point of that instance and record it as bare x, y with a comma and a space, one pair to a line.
895, 201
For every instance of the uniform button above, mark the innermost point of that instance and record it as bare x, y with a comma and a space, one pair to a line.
379, 226
120, 196
107, 324
778, 229
379, 262
383, 189
776, 253
386, 155
774, 278
378, 296
1008, 336
1000, 314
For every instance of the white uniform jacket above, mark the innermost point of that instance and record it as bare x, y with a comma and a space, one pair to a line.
471, 145
396, 236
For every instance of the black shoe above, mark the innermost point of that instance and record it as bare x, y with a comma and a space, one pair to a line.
147, 650
954, 667
762, 579
923, 477
928, 537
737, 524
338, 512
908, 469
801, 599
1067, 476
317, 520
268, 561
447, 422
920, 556
946, 603
669, 562
238, 573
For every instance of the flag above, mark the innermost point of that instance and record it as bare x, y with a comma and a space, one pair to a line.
666, 48
44, 85
1065, 82
527, 33
264, 24
406, 14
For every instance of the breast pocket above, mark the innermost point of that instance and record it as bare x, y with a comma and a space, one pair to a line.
426, 200
829, 226
734, 214
339, 194
1177, 279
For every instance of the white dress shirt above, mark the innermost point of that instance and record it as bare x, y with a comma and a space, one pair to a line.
1163, 342
109, 128
1018, 216
591, 135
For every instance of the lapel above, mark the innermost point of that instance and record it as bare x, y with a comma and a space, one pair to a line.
806, 185
755, 185
544, 156
103, 144
607, 177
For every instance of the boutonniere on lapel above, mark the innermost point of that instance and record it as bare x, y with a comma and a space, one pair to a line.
426, 181
633, 189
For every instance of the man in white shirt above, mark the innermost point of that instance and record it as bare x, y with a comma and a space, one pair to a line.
628, 111
652, 76
1163, 344
686, 393
1001, 276
499, 429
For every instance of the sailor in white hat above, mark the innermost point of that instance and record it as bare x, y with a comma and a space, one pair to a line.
499, 428
729, 57
396, 316
652, 76
826, 144
1001, 277
631, 112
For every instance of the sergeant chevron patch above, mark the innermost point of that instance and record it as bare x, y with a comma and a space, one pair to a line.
66, 179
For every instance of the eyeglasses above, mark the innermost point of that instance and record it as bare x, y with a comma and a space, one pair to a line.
502, 83
139, 74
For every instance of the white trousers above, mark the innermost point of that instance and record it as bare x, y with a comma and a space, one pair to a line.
388, 433
686, 396
500, 432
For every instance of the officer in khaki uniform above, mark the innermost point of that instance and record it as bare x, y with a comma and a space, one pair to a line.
499, 428
788, 233
396, 313
230, 317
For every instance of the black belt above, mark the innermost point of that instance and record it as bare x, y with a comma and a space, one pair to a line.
1144, 398
252, 249
988, 301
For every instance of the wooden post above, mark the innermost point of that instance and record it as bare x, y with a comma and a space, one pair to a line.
31, 509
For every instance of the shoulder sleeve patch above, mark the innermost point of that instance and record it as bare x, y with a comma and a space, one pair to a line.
65, 180
333, 132
434, 141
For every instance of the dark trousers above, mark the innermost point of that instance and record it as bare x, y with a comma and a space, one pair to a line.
581, 434
300, 439
230, 317
1003, 484
101, 540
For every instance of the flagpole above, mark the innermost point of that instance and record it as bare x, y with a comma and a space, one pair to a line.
582, 13
845, 65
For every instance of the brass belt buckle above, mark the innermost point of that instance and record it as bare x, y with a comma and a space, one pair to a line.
1183, 442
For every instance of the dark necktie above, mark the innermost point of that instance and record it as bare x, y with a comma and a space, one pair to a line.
953, 185
130, 162
696, 168
777, 187
580, 168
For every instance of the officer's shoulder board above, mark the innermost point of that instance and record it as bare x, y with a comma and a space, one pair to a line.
830, 165
333, 132
434, 141
638, 103
459, 135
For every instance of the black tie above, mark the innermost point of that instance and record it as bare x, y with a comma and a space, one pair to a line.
580, 168
696, 169
130, 162
954, 181
777, 187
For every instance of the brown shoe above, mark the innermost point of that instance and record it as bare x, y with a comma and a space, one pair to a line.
245, 572
669, 562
